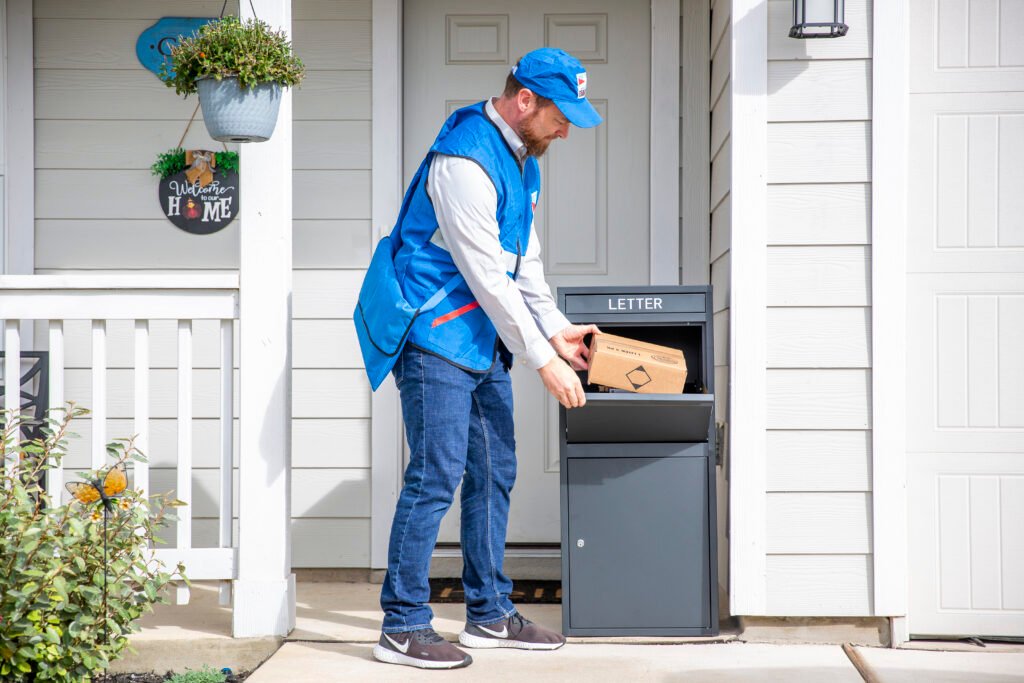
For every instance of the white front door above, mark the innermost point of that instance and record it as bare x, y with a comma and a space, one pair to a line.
593, 214
965, 319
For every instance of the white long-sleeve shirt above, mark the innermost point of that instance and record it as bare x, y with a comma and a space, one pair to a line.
466, 203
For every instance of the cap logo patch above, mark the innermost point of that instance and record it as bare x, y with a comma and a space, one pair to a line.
581, 85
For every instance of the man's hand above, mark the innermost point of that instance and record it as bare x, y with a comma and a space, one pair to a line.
569, 345
562, 383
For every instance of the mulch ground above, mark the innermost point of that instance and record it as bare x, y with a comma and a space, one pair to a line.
159, 678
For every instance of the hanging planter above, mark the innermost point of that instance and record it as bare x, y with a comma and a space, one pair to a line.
238, 68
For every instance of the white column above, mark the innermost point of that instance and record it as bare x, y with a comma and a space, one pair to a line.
889, 169
264, 593
386, 183
748, 308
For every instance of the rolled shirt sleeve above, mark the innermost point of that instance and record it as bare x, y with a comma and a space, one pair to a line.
465, 203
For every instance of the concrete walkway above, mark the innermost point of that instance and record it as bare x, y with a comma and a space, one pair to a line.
337, 625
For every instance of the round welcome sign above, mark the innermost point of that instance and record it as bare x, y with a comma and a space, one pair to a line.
197, 208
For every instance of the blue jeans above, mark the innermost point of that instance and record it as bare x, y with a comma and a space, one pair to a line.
459, 427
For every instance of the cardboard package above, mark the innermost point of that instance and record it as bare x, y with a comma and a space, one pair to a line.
636, 366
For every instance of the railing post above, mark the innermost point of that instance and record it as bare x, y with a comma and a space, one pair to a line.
264, 593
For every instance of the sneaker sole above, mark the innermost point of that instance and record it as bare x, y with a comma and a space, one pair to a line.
383, 654
469, 640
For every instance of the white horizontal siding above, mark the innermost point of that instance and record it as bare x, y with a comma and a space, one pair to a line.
101, 119
154, 9
122, 94
332, 45
819, 276
721, 174
721, 227
325, 344
316, 442
719, 23
818, 523
819, 460
819, 214
819, 152
79, 193
832, 90
91, 44
316, 542
68, 144
82, 244
331, 542
819, 337
326, 293
720, 281
819, 352
819, 585
318, 343
819, 399
721, 119
721, 67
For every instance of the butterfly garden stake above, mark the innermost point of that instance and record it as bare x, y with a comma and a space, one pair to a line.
105, 490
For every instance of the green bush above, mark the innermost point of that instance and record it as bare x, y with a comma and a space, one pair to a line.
53, 624
229, 47
204, 675
173, 161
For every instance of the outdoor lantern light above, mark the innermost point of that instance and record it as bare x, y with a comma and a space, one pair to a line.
824, 19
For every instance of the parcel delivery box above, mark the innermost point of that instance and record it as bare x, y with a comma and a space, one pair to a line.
633, 365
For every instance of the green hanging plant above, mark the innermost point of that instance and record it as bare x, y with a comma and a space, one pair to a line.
249, 50
173, 161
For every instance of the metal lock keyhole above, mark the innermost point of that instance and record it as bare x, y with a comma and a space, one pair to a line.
579, 543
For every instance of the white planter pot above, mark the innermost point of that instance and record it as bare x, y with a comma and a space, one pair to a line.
234, 114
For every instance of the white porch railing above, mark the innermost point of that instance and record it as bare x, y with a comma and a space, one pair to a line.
142, 299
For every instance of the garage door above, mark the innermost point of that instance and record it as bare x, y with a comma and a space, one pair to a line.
965, 319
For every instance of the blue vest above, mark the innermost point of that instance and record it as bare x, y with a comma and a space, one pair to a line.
457, 329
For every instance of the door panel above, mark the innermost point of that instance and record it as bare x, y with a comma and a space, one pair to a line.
966, 46
593, 214
965, 319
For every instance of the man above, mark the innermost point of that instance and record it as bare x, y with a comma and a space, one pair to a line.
467, 218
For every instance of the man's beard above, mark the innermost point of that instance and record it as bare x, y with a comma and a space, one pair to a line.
535, 144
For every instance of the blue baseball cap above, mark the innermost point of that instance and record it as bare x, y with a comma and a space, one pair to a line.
558, 76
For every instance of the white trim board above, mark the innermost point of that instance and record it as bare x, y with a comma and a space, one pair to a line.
890, 97
748, 313
694, 202
19, 139
664, 173
386, 181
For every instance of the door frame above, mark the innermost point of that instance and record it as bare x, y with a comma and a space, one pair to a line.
17, 229
890, 97
386, 180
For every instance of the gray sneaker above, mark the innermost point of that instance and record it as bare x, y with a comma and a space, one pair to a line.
423, 649
515, 631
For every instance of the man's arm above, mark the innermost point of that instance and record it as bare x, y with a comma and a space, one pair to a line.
465, 203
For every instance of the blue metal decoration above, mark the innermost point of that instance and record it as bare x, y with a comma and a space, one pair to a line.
154, 44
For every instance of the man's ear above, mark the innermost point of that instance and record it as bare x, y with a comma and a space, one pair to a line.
525, 100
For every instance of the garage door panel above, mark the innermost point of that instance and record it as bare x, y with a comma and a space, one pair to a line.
967, 207
967, 556
966, 45
965, 364
965, 318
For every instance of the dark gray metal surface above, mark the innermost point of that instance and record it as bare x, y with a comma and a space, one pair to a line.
639, 528
638, 539
640, 418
